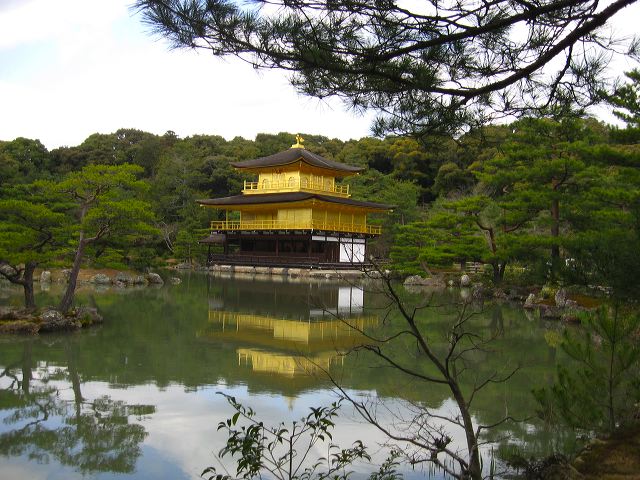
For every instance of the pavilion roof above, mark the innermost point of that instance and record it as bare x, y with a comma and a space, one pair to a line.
289, 197
294, 155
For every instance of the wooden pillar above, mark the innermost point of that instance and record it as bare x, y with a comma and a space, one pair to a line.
352, 247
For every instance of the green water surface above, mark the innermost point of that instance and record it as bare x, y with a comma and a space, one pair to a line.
136, 397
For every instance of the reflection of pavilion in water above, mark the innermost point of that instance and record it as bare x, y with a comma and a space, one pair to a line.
292, 330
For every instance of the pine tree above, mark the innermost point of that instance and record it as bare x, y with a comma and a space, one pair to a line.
30, 233
627, 98
429, 66
107, 202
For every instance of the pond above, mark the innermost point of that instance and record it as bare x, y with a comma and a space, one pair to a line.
138, 398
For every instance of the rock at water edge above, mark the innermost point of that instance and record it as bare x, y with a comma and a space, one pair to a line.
53, 321
155, 279
530, 301
124, 278
100, 279
561, 298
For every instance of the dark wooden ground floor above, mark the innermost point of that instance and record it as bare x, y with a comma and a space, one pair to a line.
310, 250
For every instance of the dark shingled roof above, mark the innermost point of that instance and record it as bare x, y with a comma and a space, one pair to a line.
265, 198
293, 155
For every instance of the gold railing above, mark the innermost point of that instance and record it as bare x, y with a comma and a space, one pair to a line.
295, 186
218, 226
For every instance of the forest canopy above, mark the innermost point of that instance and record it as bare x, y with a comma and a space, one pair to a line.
549, 195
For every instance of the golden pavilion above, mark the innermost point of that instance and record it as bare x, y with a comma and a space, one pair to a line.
295, 214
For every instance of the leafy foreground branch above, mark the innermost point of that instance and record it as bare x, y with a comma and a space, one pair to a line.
285, 452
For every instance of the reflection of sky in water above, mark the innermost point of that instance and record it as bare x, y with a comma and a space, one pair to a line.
152, 465
182, 433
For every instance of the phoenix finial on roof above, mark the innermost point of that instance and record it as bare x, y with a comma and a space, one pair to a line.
299, 142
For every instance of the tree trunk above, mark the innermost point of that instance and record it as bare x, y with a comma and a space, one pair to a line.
611, 373
475, 470
27, 362
74, 376
555, 232
498, 272
67, 300
27, 285
425, 267
498, 269
24, 278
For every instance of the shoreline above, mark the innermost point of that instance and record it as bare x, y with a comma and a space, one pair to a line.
279, 271
547, 303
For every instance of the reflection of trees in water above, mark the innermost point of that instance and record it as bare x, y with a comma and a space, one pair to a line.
497, 321
89, 435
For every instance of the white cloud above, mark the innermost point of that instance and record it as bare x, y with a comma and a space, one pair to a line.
28, 22
71, 68
76, 67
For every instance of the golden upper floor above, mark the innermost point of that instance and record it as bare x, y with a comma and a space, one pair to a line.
297, 170
295, 181
296, 190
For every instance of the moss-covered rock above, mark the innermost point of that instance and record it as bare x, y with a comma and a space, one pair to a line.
15, 321
88, 316
22, 327
154, 279
100, 279
617, 457
54, 321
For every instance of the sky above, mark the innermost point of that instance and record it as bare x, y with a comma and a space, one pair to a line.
70, 68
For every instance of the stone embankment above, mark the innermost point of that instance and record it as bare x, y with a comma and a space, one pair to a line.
550, 303
123, 279
469, 290
104, 277
284, 271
